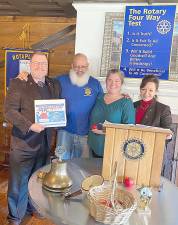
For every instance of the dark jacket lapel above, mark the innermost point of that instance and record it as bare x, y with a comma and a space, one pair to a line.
32, 88
149, 114
50, 87
53, 87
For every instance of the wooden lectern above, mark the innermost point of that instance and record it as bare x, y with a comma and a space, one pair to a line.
138, 151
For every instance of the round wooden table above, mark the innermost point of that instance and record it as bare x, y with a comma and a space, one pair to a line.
164, 204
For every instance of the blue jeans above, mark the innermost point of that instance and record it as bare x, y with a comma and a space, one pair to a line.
75, 145
22, 165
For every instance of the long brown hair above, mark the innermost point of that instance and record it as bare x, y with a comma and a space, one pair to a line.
150, 78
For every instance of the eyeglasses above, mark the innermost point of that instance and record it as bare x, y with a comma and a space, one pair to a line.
80, 67
40, 63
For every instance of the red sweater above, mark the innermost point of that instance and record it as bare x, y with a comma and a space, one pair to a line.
141, 110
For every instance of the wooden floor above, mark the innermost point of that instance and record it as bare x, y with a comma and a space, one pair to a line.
3, 205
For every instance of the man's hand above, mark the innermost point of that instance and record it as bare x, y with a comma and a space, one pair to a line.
23, 76
125, 95
36, 127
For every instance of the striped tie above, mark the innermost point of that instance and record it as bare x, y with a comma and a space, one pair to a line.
40, 84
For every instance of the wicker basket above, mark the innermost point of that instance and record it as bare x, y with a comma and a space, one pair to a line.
110, 209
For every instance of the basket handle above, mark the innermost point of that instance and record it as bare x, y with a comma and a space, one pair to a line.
114, 184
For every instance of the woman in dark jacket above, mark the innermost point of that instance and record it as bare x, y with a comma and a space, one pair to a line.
149, 111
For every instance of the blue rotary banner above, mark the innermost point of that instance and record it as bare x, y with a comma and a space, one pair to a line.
147, 41
16, 61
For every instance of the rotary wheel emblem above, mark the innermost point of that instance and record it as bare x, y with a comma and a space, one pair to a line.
133, 149
164, 27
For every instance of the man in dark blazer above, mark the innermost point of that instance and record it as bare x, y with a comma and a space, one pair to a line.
30, 141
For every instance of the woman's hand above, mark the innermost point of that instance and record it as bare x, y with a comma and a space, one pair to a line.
96, 131
169, 137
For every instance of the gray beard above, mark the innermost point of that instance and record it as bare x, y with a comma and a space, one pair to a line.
78, 81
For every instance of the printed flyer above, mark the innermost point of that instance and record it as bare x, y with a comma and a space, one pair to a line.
51, 112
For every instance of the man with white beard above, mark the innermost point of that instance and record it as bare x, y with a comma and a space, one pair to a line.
80, 91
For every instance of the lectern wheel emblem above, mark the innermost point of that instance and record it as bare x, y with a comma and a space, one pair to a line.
133, 149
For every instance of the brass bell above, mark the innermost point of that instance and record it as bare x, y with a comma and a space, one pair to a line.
57, 179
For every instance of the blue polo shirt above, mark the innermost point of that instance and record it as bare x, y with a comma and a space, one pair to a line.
79, 103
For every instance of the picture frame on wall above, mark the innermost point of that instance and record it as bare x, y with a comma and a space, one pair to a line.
112, 45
